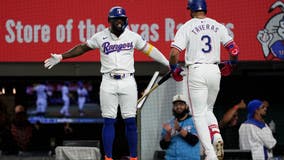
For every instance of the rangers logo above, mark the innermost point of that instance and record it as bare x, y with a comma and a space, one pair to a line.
119, 11
109, 48
272, 36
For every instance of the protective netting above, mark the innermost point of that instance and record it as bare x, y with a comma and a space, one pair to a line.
156, 110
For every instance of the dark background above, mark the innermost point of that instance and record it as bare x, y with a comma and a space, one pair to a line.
250, 80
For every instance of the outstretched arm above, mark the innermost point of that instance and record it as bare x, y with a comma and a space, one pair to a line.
74, 52
154, 53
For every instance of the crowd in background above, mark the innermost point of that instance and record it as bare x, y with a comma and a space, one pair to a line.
18, 136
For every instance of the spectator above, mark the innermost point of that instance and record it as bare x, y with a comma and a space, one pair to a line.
40, 137
21, 129
179, 136
68, 132
255, 134
19, 108
7, 145
230, 124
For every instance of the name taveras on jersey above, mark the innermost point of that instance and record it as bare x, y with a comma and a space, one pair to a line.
204, 27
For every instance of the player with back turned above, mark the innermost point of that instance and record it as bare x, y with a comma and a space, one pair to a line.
201, 37
118, 86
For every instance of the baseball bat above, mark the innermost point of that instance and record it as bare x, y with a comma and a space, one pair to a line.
161, 81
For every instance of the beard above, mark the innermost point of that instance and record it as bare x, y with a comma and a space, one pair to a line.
180, 115
117, 28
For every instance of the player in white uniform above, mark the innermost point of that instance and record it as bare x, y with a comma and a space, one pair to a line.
201, 38
118, 86
66, 100
41, 102
82, 94
254, 134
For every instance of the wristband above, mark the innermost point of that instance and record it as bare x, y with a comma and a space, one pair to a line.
173, 66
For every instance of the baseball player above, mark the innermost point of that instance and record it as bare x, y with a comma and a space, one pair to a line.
82, 95
66, 100
201, 37
41, 102
118, 87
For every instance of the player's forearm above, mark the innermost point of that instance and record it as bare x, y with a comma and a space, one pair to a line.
232, 48
76, 51
174, 55
155, 54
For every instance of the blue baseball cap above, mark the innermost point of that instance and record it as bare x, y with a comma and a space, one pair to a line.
253, 106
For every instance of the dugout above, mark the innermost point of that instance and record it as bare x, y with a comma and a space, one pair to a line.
261, 79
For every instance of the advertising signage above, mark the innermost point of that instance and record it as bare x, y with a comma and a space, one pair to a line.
31, 30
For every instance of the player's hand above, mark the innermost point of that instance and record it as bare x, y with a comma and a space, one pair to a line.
227, 67
176, 72
53, 60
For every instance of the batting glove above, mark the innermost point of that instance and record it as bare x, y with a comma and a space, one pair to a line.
176, 72
53, 60
227, 67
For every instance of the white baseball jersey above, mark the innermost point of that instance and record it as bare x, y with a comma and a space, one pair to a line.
41, 101
66, 102
256, 139
201, 38
65, 92
116, 54
41, 91
82, 92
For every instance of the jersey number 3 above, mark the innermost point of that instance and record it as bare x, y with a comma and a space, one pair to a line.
207, 41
